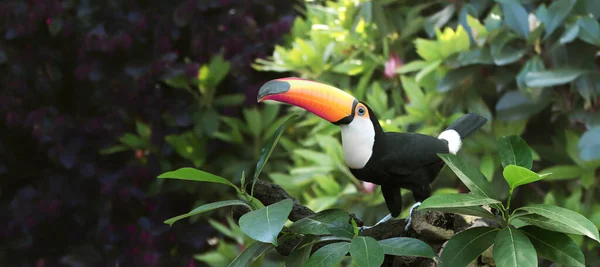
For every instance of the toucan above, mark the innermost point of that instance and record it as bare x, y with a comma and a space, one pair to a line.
392, 160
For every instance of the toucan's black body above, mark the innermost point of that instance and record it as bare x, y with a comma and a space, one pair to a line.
408, 160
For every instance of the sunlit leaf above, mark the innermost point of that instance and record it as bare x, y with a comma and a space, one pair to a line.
569, 218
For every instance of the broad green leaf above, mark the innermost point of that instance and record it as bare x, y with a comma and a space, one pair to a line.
229, 100
143, 129
514, 150
589, 30
192, 174
317, 224
557, 12
455, 200
553, 77
516, 18
328, 255
478, 31
366, 251
268, 148
513, 249
457, 78
134, 141
415, 95
405, 246
466, 246
205, 208
570, 34
209, 119
515, 105
469, 175
350, 67
250, 254
476, 56
517, 176
505, 48
253, 123
487, 166
452, 42
562, 172
543, 222
572, 219
425, 71
589, 144
265, 224
429, 50
557, 247
533, 64
301, 252
412, 66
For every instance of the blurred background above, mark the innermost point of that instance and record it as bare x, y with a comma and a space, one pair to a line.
97, 98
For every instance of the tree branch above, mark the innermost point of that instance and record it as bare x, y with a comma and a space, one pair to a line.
432, 227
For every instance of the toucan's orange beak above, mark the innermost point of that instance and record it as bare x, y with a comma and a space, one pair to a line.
323, 100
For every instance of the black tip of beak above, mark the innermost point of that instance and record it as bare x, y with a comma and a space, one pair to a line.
271, 88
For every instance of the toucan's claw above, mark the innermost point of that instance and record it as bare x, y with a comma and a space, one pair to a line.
385, 219
409, 218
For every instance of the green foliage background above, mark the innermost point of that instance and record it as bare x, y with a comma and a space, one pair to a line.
529, 67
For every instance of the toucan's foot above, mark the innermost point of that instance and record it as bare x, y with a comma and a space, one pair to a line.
409, 218
385, 219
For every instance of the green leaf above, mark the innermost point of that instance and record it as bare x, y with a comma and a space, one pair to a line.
466, 246
516, 18
350, 67
209, 122
478, 31
455, 201
229, 100
515, 105
366, 251
265, 224
505, 48
554, 77
205, 208
405, 246
301, 252
179, 82
589, 144
192, 174
425, 71
218, 70
557, 12
188, 146
253, 123
513, 248
429, 50
533, 64
570, 34
589, 30
268, 148
328, 255
476, 56
574, 220
134, 141
143, 129
412, 66
469, 175
487, 166
557, 247
250, 254
562, 172
413, 91
317, 224
517, 176
113, 149
457, 78
543, 222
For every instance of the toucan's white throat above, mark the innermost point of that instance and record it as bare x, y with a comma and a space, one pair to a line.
358, 138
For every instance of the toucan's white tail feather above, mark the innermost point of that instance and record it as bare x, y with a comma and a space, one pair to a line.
461, 129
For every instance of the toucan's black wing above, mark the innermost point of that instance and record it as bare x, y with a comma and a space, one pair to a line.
403, 153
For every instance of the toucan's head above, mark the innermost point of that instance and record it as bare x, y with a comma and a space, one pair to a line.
325, 101
359, 125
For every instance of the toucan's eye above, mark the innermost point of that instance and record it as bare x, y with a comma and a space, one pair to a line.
360, 111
